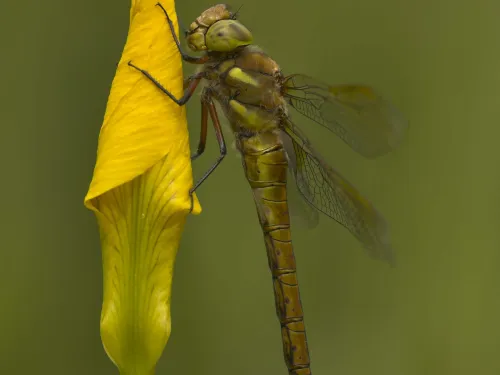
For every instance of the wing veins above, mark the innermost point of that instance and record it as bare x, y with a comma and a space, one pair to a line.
327, 191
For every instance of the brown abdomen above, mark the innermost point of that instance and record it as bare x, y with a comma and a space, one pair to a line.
265, 166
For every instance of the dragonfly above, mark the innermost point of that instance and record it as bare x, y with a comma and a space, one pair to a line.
257, 99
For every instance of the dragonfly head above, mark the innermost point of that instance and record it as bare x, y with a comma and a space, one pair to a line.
217, 29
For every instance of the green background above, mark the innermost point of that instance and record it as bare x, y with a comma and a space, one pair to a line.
436, 313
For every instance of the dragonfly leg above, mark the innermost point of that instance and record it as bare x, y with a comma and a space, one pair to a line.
185, 56
208, 107
191, 78
192, 82
203, 132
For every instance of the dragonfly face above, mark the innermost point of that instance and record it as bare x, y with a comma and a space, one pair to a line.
216, 29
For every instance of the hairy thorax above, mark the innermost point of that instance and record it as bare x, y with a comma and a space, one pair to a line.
248, 86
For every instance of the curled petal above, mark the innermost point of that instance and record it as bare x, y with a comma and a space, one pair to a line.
140, 192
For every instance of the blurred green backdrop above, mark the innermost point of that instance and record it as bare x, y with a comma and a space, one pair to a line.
436, 313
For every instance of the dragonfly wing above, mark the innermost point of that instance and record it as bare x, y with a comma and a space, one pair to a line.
329, 192
301, 208
356, 113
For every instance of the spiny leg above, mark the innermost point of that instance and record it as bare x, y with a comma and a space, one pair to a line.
185, 56
193, 82
209, 106
220, 138
188, 80
203, 132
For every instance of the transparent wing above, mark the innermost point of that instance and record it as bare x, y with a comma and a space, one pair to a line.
324, 188
305, 213
357, 114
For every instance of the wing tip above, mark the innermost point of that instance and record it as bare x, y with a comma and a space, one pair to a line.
380, 246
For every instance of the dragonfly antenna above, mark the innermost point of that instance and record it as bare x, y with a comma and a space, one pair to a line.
235, 15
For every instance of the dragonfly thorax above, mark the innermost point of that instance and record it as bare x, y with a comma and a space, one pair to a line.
248, 85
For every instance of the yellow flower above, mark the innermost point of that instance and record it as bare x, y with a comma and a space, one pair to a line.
140, 192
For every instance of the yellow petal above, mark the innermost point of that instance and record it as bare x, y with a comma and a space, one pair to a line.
140, 192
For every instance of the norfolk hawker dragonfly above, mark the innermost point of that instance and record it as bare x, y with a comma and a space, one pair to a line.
257, 98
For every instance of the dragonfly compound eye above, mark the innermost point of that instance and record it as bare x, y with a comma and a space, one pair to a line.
227, 35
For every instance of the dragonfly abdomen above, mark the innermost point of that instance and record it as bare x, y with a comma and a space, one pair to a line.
266, 166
